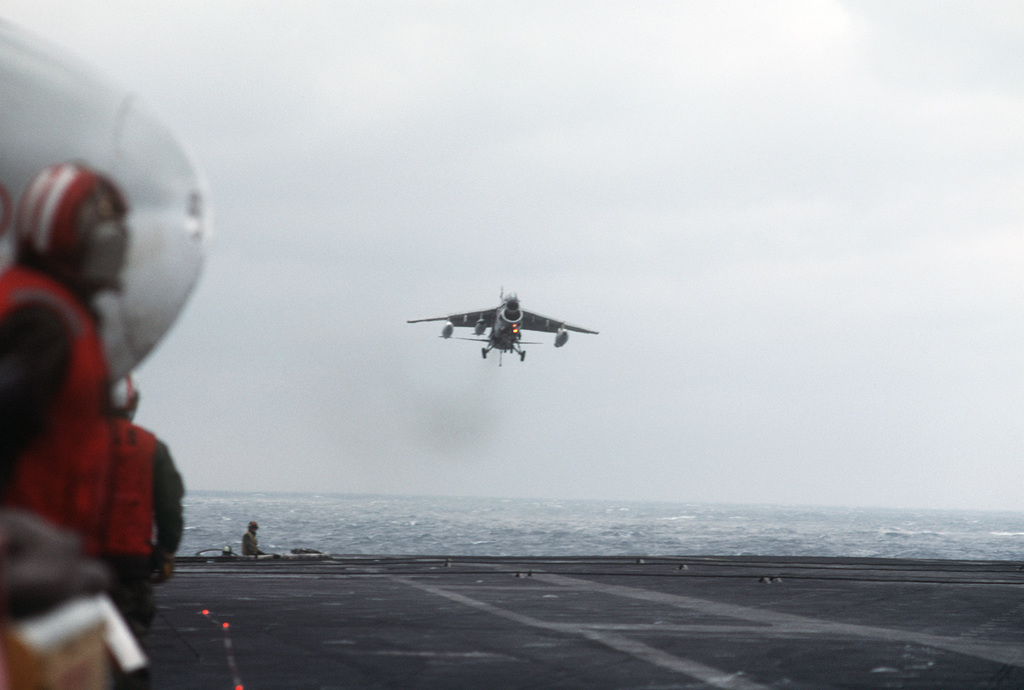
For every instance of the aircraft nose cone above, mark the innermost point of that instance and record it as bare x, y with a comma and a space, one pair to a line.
53, 109
170, 220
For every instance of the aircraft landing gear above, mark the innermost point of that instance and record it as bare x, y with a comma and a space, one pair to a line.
522, 356
483, 352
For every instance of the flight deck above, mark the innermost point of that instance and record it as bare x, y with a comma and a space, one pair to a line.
745, 623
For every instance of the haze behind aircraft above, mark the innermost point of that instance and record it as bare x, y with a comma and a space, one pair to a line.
506, 321
54, 110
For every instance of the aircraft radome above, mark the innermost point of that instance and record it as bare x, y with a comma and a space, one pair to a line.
54, 110
506, 321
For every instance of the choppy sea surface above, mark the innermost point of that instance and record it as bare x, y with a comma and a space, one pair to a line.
407, 525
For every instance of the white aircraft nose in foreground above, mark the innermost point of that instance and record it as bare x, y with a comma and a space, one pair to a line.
54, 110
506, 322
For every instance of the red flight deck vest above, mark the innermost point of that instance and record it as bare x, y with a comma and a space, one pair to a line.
129, 516
62, 475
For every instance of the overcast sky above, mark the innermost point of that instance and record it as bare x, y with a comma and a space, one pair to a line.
798, 227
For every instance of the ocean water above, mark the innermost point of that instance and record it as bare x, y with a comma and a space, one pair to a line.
406, 525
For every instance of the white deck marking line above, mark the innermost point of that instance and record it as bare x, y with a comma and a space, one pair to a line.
1009, 654
426, 654
638, 650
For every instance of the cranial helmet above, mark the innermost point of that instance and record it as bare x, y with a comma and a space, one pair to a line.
71, 220
124, 397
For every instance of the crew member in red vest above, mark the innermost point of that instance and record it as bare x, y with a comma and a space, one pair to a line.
144, 520
71, 240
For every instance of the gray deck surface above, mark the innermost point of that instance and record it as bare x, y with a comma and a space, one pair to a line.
698, 622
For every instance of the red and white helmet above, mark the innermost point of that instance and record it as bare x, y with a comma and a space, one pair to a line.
54, 220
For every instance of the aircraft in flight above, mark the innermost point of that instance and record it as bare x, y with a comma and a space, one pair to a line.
506, 321
55, 109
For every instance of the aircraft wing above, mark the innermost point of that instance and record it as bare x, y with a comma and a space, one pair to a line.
536, 322
467, 319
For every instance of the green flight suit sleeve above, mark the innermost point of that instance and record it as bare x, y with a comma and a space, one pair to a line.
168, 491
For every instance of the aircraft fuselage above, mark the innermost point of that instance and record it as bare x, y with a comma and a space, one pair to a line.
506, 333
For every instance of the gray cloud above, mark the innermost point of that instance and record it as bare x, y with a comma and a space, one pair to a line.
797, 226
